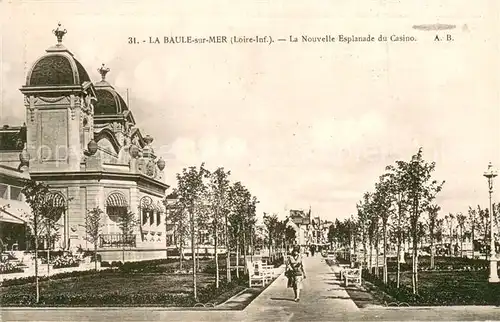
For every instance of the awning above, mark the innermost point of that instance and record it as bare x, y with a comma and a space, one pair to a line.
116, 199
14, 211
55, 200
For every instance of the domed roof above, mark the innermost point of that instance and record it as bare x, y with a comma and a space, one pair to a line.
109, 102
57, 67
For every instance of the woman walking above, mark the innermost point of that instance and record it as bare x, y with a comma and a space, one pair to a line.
295, 272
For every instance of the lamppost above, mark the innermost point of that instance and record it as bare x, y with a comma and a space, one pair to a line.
490, 174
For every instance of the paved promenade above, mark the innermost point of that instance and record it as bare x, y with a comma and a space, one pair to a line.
322, 299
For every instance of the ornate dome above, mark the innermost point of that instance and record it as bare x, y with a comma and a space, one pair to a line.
57, 67
109, 102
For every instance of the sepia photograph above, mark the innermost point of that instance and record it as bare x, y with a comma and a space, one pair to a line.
249, 160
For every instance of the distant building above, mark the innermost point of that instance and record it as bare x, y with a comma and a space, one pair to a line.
301, 222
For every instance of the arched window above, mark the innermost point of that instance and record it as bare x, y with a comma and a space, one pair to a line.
146, 208
116, 206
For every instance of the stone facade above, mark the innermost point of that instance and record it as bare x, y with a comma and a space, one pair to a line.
81, 140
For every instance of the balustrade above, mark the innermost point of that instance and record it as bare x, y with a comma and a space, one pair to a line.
117, 240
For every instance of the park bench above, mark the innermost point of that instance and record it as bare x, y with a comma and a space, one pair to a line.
351, 274
258, 272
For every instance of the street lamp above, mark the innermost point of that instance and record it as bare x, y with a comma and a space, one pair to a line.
490, 174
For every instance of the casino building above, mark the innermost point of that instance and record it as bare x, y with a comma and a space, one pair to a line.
81, 139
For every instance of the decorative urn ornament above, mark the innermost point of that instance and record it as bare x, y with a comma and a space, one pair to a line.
161, 164
92, 147
24, 157
148, 139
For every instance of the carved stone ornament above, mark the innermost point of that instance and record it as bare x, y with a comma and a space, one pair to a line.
141, 165
72, 106
52, 99
150, 168
31, 108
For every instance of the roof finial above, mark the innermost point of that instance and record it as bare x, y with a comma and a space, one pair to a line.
59, 32
103, 71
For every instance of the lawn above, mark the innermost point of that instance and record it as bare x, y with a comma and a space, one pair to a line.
452, 285
133, 284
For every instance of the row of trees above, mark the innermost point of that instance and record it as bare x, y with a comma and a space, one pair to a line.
279, 237
206, 201
393, 214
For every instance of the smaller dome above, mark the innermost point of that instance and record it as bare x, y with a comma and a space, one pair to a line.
109, 102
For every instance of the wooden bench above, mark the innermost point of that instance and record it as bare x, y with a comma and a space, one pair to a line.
351, 274
257, 272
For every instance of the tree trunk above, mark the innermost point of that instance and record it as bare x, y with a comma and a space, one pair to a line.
181, 245
244, 251
377, 273
365, 262
48, 256
371, 258
472, 233
228, 251
216, 255
195, 295
198, 255
237, 257
398, 273
384, 277
415, 264
461, 242
432, 251
95, 256
37, 284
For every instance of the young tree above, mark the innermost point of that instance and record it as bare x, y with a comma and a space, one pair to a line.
422, 190
382, 203
36, 196
399, 192
127, 221
176, 216
93, 225
219, 201
363, 220
238, 196
191, 188
51, 226
271, 222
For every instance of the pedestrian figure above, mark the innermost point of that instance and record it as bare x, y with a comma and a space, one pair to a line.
295, 272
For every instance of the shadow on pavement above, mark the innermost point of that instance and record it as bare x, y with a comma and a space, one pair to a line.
336, 297
281, 299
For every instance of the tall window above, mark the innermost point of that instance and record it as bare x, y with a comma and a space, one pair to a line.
116, 206
158, 218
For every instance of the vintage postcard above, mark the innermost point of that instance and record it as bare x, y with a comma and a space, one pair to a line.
249, 160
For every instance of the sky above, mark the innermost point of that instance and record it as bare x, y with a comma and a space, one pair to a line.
301, 125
